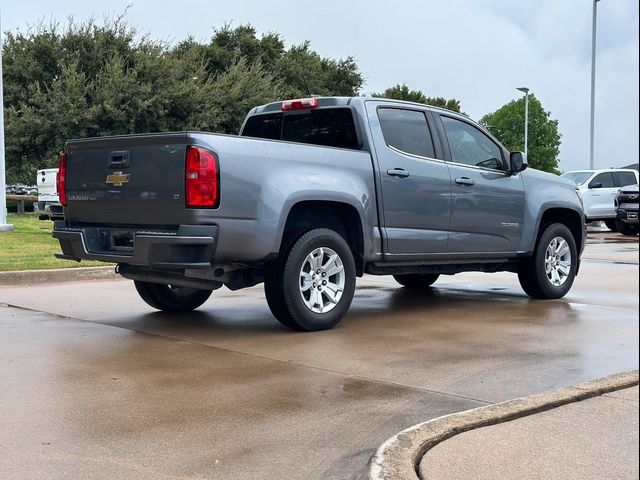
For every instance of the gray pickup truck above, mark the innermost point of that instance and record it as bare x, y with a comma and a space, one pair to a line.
313, 193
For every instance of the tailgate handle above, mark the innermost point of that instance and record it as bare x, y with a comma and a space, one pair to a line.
119, 159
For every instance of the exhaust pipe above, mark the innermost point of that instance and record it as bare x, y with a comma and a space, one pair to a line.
164, 277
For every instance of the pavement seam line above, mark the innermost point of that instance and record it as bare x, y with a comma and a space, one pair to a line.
262, 357
400, 455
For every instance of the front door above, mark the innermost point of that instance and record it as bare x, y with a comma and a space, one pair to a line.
415, 188
602, 193
487, 203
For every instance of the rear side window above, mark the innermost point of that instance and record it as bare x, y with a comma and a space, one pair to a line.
604, 179
406, 130
626, 178
331, 127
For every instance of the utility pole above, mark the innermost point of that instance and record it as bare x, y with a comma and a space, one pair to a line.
593, 85
4, 227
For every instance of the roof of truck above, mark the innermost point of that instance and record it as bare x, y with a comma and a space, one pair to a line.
344, 101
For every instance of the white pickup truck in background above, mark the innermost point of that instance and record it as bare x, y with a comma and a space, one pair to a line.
47, 194
598, 190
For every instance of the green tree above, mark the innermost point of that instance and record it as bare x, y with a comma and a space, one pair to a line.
90, 79
296, 67
507, 125
402, 92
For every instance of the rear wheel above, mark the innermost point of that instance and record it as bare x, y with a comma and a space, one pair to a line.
171, 299
625, 228
417, 281
551, 270
612, 224
311, 285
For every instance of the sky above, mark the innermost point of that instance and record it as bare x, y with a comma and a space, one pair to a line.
477, 51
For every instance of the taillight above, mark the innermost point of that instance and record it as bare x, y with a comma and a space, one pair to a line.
202, 183
299, 104
61, 178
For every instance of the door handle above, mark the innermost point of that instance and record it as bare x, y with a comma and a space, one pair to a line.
464, 181
397, 172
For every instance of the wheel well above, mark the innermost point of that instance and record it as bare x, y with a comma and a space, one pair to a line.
567, 217
341, 217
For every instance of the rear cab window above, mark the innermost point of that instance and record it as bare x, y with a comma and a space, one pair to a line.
330, 127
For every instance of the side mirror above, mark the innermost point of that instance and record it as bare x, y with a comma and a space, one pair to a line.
595, 185
518, 161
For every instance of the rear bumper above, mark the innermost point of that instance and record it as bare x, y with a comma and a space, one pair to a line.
190, 246
627, 216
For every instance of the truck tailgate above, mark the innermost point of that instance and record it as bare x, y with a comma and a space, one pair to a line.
135, 179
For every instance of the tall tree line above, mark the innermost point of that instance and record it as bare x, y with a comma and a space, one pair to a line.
90, 79
93, 79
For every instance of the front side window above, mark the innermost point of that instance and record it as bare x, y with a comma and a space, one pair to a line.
406, 130
469, 146
605, 180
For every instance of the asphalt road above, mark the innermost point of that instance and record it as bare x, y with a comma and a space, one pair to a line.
94, 384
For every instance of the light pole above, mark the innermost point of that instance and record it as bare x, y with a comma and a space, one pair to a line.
525, 90
4, 227
593, 84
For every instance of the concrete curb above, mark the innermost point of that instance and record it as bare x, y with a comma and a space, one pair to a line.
399, 457
56, 275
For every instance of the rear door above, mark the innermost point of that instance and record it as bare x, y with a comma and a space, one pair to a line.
487, 203
415, 186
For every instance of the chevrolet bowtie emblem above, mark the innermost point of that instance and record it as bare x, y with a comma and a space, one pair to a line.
117, 179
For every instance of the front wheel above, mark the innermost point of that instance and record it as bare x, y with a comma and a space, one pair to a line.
311, 285
625, 228
169, 298
551, 270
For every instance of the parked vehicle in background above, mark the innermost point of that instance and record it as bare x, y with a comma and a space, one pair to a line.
598, 188
314, 193
626, 204
47, 195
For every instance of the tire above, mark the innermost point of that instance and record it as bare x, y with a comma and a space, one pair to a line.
171, 299
417, 281
532, 272
612, 224
288, 283
625, 228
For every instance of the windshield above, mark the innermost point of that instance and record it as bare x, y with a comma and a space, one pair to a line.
577, 177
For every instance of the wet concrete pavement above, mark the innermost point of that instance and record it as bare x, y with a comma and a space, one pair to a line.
592, 439
96, 385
